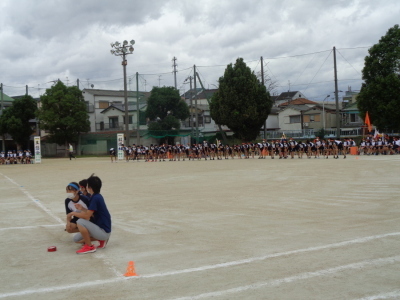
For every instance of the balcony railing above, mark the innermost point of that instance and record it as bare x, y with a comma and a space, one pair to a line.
310, 133
110, 127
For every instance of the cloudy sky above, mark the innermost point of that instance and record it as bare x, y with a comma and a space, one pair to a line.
41, 41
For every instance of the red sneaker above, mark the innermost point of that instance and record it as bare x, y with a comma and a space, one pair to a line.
86, 249
102, 244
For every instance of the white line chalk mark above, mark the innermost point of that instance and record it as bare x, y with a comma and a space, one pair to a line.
30, 227
222, 265
301, 276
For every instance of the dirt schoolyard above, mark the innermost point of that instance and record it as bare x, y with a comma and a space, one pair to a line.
228, 229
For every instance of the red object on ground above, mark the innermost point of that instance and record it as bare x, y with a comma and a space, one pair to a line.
52, 249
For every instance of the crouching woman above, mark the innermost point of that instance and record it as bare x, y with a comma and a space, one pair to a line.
94, 223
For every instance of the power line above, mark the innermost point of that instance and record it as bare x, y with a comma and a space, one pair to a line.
297, 55
320, 68
348, 62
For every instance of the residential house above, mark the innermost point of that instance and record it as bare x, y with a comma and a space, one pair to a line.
291, 117
6, 101
199, 102
103, 119
286, 97
351, 116
114, 117
273, 119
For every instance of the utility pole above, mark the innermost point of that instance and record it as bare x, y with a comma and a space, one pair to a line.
159, 80
209, 101
1, 88
77, 83
263, 83
336, 95
137, 110
2, 107
191, 105
195, 104
174, 65
26, 90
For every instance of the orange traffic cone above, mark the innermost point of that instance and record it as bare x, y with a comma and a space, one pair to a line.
130, 270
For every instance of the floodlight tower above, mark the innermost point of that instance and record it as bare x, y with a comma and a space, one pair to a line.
123, 50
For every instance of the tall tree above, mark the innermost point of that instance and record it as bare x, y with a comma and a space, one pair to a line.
242, 103
380, 92
15, 120
63, 113
165, 109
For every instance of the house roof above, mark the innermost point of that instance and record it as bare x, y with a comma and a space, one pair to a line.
351, 107
20, 96
112, 93
298, 107
121, 107
7, 98
298, 101
201, 94
285, 95
274, 111
186, 95
206, 93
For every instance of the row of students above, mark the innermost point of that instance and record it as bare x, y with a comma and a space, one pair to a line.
280, 148
379, 145
87, 214
15, 157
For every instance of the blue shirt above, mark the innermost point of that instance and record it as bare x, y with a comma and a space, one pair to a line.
101, 216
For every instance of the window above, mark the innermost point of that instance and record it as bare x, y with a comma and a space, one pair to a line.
295, 119
129, 119
312, 118
103, 104
89, 107
207, 119
354, 118
113, 122
142, 118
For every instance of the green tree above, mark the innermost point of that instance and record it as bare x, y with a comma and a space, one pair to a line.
165, 109
380, 92
15, 120
242, 103
63, 114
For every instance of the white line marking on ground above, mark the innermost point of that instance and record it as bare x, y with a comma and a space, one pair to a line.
30, 227
350, 201
48, 211
391, 295
38, 203
16, 202
319, 202
301, 276
178, 272
108, 263
254, 259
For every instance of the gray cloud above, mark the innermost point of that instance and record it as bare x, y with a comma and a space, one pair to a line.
42, 41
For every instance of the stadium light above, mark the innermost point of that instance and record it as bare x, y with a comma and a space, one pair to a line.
122, 50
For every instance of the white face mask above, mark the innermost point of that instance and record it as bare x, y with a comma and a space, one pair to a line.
70, 195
